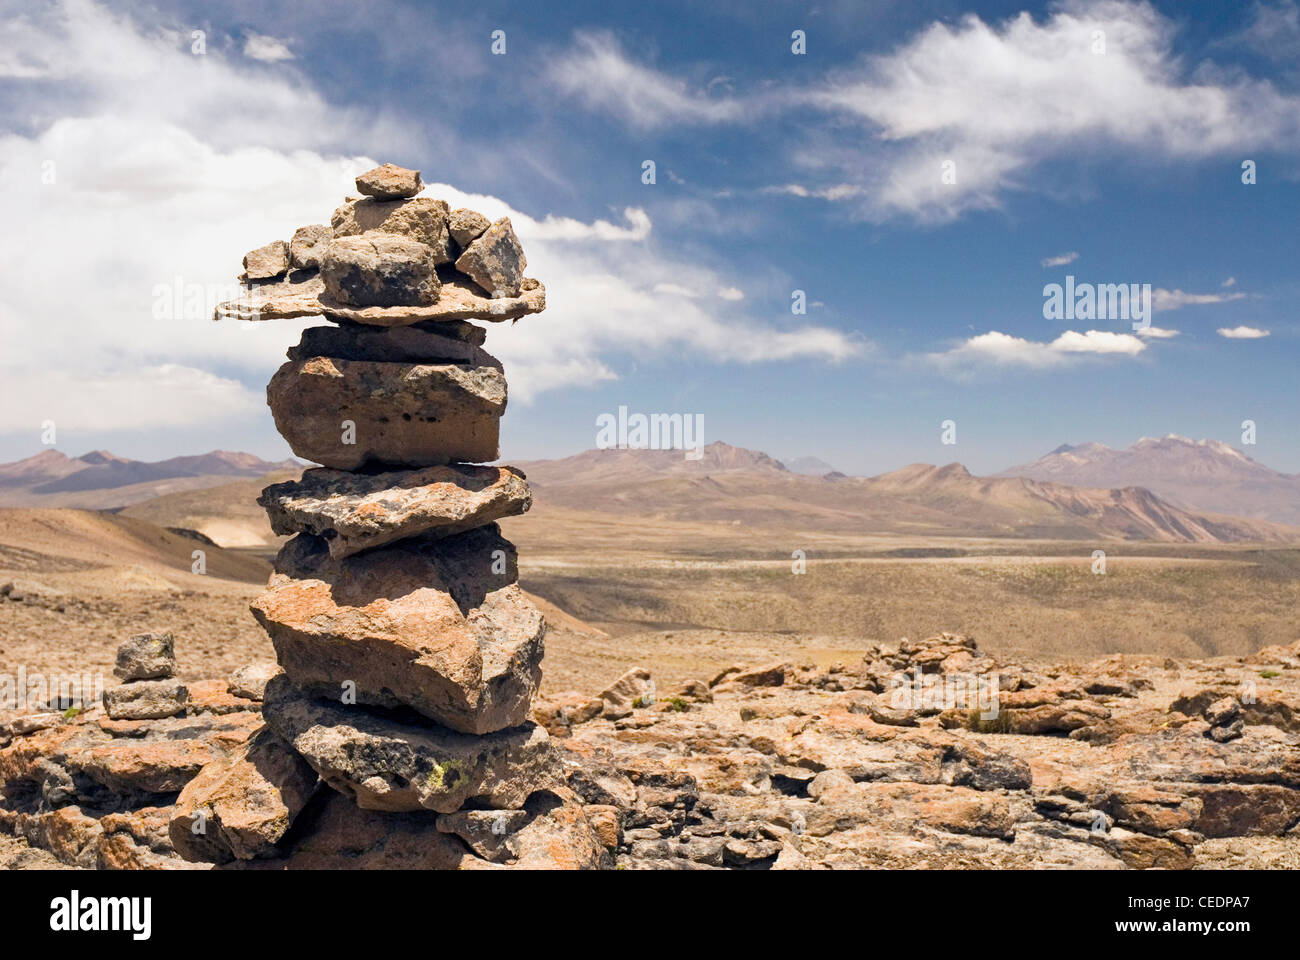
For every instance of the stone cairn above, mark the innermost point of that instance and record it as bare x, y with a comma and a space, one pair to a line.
410, 655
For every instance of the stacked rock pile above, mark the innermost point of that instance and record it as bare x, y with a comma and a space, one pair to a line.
146, 665
410, 654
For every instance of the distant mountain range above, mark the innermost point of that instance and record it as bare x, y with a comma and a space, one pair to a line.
734, 485
102, 480
1193, 474
813, 466
1218, 494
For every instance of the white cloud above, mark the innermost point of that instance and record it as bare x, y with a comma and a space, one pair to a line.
1003, 349
999, 99
1242, 333
731, 293
597, 72
266, 49
1060, 261
839, 191
151, 203
1156, 333
1230, 282
127, 401
1162, 299
996, 100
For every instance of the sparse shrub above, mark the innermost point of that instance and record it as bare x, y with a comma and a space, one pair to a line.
677, 704
979, 724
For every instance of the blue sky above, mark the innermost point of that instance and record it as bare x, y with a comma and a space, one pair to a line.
774, 172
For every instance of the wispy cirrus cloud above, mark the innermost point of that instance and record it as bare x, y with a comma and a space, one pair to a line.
960, 114
1060, 260
598, 72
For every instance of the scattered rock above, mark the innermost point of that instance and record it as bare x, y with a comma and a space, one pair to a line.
250, 681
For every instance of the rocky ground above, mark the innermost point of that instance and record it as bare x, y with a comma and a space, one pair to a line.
1126, 762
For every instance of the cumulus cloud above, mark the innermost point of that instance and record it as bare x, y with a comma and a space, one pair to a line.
1242, 333
115, 311
126, 401
1156, 333
1061, 260
1003, 349
1162, 299
266, 49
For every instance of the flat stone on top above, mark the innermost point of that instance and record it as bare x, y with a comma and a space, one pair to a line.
390, 182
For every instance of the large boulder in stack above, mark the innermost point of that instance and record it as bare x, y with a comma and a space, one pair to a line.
421, 219
359, 511
401, 414
399, 764
380, 271
453, 341
436, 625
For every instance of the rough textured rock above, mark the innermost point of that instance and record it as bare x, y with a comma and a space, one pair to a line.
239, 807
267, 262
413, 415
384, 763
250, 681
379, 271
359, 511
466, 226
308, 245
635, 688
390, 182
420, 219
436, 625
495, 261
551, 832
146, 700
336, 835
414, 344
146, 656
303, 295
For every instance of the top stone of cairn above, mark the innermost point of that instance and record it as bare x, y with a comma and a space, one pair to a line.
390, 182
